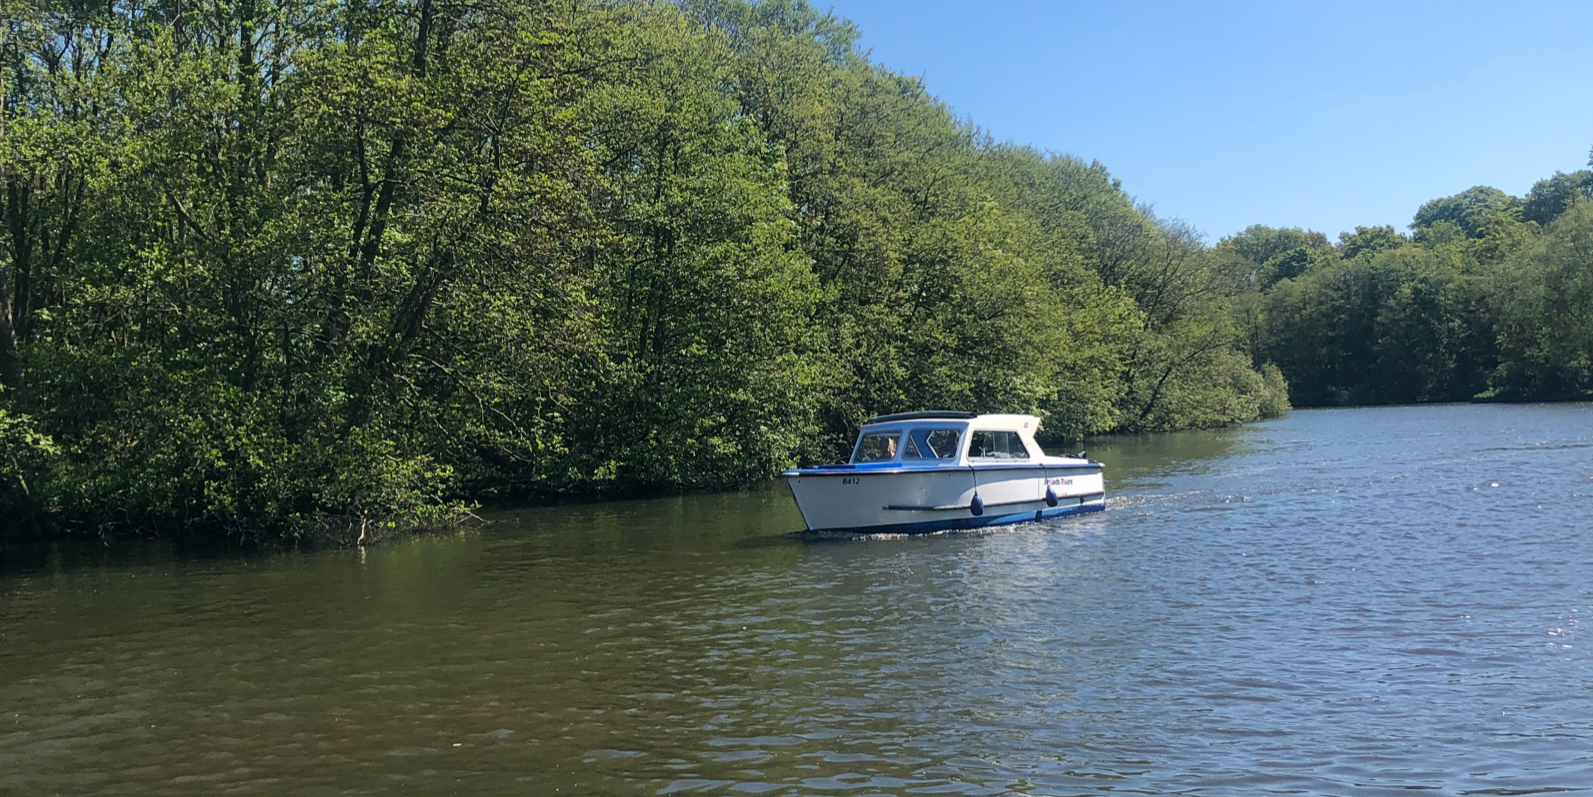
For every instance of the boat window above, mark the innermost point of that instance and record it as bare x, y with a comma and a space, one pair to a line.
996, 445
911, 451
944, 443
932, 444
876, 447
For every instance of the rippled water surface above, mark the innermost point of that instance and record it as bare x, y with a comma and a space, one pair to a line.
1348, 602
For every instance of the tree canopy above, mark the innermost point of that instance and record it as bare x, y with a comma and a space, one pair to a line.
1487, 298
271, 267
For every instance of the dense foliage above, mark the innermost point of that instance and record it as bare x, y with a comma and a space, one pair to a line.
270, 266
1490, 296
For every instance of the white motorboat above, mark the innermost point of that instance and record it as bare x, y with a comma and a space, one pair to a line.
932, 471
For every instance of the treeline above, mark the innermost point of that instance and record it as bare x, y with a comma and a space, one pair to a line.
270, 266
1489, 295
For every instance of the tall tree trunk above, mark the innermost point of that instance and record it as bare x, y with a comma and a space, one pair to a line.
371, 225
14, 281
10, 358
395, 157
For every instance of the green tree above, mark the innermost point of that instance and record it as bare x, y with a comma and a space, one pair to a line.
1468, 210
1543, 299
1554, 195
1370, 239
707, 294
1262, 256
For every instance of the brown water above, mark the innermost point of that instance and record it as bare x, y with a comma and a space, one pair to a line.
1355, 602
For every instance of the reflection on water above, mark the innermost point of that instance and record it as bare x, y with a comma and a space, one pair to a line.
1341, 602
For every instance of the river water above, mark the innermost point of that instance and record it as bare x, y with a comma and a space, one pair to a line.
1345, 602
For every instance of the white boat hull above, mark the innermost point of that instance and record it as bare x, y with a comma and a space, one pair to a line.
915, 500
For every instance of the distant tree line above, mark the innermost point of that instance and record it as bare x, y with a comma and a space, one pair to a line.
1490, 295
269, 265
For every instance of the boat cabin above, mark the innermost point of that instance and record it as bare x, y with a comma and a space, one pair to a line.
937, 438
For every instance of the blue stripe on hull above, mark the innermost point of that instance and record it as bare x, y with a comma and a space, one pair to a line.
970, 522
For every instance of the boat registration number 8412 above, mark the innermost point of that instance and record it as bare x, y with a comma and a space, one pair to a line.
852, 480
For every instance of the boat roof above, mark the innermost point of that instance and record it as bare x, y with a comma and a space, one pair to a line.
1027, 422
924, 415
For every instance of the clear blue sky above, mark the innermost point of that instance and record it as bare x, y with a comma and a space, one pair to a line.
1323, 115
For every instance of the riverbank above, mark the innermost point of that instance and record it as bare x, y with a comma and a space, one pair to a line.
444, 516
1569, 398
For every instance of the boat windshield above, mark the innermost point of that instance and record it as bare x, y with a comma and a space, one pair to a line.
932, 444
876, 447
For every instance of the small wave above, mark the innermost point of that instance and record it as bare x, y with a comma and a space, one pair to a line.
1543, 446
